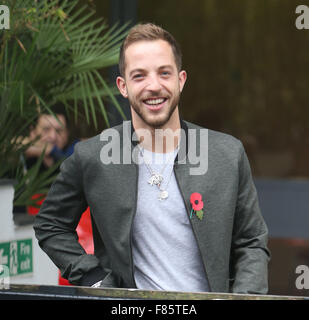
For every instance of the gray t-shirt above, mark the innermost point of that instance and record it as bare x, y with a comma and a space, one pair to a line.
165, 252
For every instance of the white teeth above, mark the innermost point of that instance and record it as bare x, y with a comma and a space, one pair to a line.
154, 101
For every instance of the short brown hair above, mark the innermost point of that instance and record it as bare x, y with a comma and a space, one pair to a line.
149, 32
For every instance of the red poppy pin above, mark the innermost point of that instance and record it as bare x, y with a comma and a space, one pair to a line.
197, 205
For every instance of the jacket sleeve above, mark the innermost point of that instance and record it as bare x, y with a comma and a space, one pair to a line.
55, 226
249, 253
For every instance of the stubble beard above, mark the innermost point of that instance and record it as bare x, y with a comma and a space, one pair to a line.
155, 121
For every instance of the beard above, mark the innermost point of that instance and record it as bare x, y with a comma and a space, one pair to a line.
152, 118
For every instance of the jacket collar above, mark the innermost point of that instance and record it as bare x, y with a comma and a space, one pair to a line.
183, 147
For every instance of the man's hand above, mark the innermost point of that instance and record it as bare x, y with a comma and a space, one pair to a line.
36, 149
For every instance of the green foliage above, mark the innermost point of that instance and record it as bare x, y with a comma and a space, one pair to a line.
54, 52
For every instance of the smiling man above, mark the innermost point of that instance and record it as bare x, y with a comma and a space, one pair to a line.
152, 82
156, 225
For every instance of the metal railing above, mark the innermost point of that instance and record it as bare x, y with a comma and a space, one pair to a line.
19, 291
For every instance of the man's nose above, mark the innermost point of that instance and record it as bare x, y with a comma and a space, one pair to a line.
52, 136
154, 83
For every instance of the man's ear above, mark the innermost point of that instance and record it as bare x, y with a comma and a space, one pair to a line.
182, 79
121, 84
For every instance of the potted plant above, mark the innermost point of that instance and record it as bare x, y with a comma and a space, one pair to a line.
53, 52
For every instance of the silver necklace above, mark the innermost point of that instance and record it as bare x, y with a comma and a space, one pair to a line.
163, 193
157, 178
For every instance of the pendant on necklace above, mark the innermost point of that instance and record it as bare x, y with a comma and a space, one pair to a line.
155, 179
163, 194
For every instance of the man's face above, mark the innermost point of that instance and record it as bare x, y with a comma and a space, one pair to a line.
152, 82
52, 131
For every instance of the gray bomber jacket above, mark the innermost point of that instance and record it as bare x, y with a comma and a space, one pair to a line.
232, 236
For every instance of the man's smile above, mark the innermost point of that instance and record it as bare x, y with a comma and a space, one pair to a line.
155, 103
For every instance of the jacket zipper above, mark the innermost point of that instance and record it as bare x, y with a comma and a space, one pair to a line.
183, 199
131, 251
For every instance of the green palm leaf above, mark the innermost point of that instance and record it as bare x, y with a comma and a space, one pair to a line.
55, 51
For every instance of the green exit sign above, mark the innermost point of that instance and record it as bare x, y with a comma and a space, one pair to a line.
17, 256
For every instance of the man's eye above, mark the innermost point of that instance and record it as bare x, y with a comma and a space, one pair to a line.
137, 76
60, 131
165, 73
45, 130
